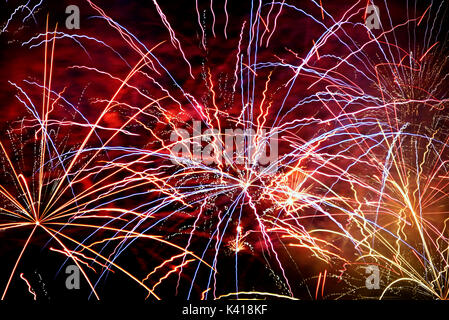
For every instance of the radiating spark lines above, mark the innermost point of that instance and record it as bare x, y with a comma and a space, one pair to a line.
296, 157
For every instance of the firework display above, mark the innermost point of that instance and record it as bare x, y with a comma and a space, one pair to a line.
214, 150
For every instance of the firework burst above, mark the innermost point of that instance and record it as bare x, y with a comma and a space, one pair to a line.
230, 148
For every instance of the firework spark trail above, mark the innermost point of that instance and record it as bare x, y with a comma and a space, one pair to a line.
21, 8
30, 289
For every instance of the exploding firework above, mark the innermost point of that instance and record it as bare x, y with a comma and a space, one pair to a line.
227, 154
